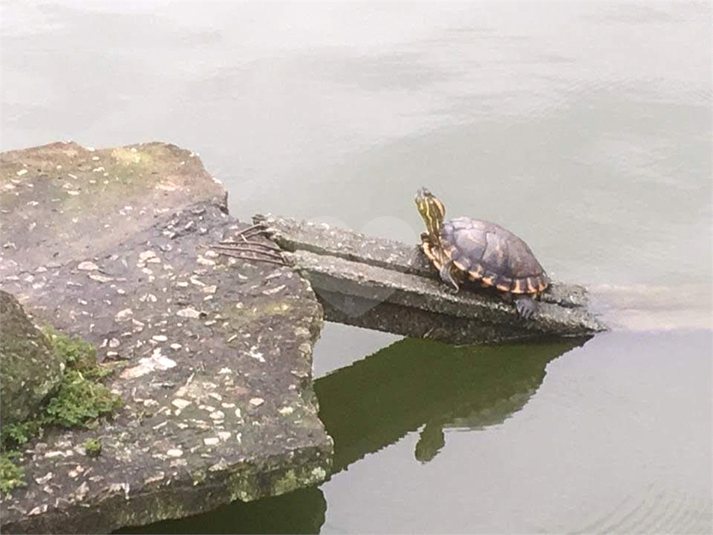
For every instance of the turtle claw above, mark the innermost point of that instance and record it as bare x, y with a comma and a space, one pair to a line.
526, 306
243, 246
446, 274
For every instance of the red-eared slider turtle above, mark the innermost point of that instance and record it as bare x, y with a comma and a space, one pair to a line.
470, 249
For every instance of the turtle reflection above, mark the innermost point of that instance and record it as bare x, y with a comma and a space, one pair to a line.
415, 384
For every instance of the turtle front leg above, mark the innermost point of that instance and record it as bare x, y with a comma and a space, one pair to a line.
526, 306
446, 273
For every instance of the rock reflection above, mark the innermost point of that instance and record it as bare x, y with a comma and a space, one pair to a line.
300, 511
416, 384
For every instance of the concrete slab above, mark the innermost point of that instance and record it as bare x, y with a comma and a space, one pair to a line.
114, 245
390, 286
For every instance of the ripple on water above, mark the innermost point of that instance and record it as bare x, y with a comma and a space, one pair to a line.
669, 511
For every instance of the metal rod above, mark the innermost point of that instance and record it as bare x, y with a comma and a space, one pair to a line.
228, 243
256, 228
247, 247
242, 254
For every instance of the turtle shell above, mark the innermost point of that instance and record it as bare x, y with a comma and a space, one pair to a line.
488, 253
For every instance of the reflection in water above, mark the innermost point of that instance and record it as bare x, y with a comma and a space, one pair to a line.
414, 383
376, 401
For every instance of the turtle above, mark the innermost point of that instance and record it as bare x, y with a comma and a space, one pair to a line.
464, 248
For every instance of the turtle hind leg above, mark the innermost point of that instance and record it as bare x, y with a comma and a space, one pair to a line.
446, 273
526, 306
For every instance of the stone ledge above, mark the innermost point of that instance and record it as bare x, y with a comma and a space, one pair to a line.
114, 245
382, 284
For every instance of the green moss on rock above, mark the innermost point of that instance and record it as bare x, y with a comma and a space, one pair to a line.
92, 447
78, 402
75, 352
17, 433
80, 398
11, 475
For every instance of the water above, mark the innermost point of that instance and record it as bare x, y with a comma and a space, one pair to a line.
583, 127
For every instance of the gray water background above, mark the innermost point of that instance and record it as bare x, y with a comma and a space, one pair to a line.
585, 127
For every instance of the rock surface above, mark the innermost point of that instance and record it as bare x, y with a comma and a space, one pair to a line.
115, 246
30, 369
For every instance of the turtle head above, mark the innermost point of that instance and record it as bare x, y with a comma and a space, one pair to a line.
432, 211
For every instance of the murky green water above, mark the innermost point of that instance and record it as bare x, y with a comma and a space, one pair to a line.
583, 127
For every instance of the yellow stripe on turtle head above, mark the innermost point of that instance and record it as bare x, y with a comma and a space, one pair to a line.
432, 211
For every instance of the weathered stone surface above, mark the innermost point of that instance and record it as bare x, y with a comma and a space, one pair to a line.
29, 369
386, 285
55, 196
217, 378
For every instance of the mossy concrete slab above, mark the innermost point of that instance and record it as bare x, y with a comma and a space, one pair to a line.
216, 381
